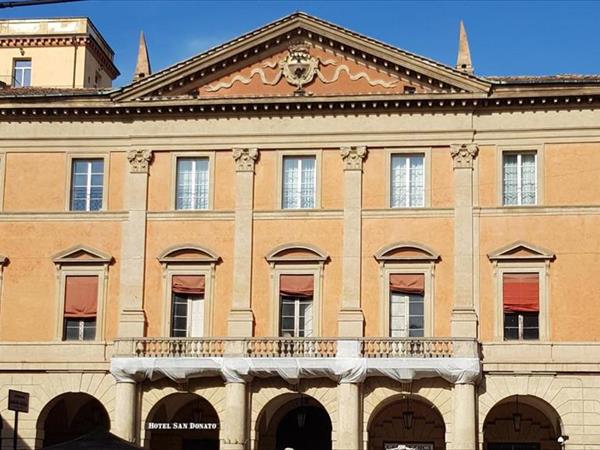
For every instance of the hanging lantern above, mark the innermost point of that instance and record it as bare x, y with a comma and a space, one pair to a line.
516, 417
197, 413
408, 416
301, 412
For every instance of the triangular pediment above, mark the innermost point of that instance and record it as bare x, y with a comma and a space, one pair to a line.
81, 254
303, 55
521, 251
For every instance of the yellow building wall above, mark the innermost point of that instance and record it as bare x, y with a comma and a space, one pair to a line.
30, 286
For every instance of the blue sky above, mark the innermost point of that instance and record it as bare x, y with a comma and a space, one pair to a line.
507, 38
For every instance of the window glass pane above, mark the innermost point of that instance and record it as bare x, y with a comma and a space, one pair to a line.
399, 181
511, 326
416, 181
528, 179
71, 332
299, 182
22, 73
179, 316
407, 181
89, 329
510, 179
87, 184
192, 183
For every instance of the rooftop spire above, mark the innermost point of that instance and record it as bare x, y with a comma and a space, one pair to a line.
142, 68
463, 61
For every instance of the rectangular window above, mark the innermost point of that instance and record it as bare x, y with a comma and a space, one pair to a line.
21, 73
81, 300
192, 183
407, 181
187, 308
296, 305
519, 175
520, 297
407, 305
299, 182
87, 184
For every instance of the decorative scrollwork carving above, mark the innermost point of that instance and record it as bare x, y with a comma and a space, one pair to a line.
244, 159
353, 157
463, 155
139, 160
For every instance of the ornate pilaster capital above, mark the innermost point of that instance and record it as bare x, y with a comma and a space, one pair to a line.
463, 155
244, 158
139, 160
353, 157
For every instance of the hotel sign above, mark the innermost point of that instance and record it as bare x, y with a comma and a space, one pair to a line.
182, 426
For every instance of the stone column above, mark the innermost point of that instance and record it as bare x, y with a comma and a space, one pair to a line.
241, 320
464, 317
126, 410
349, 423
351, 319
465, 429
133, 245
234, 423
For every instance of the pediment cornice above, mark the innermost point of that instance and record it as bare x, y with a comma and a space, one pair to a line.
278, 35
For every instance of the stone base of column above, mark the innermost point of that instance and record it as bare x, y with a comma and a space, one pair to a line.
464, 322
132, 322
351, 323
241, 323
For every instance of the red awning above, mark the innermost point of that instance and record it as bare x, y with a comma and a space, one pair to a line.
407, 283
298, 285
188, 284
81, 296
521, 292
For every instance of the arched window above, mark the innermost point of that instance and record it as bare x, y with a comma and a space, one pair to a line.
296, 279
188, 273
521, 273
406, 273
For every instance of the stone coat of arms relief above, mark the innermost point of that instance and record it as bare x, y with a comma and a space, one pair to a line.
299, 68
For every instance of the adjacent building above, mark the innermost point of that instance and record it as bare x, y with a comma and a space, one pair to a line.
301, 238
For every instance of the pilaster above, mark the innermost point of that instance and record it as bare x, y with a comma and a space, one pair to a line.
351, 318
133, 249
464, 317
241, 320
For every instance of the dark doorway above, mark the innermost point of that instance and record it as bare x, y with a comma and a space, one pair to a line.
304, 428
70, 416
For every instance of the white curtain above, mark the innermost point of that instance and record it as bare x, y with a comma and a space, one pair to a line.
511, 184
528, 179
407, 181
299, 182
192, 183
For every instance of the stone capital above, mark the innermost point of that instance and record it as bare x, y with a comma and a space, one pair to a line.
244, 158
463, 155
139, 160
353, 157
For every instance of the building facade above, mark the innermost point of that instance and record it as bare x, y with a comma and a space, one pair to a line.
303, 238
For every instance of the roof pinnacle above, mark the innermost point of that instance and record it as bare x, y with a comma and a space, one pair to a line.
463, 61
142, 68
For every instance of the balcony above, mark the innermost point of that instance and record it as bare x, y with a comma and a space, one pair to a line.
342, 360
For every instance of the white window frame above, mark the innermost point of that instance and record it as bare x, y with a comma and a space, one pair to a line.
297, 302
14, 70
538, 150
317, 154
425, 152
71, 157
210, 155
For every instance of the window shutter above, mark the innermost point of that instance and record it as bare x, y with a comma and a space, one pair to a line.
81, 296
521, 292
297, 285
188, 284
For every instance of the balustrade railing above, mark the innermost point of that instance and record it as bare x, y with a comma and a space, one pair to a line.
292, 347
407, 348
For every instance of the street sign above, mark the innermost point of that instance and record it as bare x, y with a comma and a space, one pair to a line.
18, 401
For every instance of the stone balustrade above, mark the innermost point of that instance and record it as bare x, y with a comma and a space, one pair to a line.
276, 347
